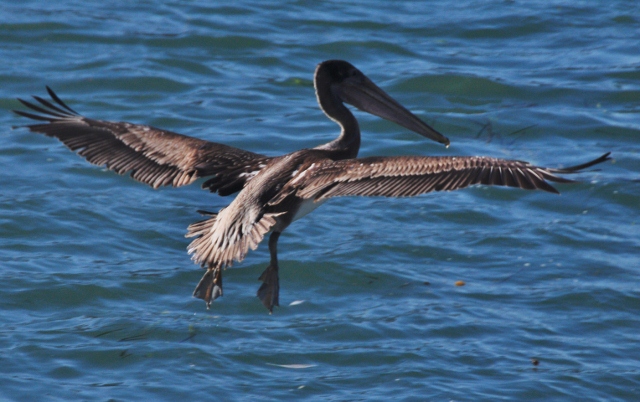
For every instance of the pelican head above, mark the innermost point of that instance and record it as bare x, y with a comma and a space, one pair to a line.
338, 81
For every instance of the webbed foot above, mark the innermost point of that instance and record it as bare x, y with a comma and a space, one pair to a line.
269, 291
210, 286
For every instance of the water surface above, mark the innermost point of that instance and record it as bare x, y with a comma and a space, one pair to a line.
96, 281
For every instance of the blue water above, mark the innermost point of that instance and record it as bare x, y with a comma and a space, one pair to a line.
95, 281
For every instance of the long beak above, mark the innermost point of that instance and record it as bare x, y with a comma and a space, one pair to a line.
368, 97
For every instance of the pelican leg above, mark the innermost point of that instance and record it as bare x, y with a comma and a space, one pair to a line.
269, 291
210, 286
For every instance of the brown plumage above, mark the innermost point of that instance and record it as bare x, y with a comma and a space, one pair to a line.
407, 176
153, 156
275, 191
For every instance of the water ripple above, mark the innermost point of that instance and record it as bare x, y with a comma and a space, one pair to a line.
96, 281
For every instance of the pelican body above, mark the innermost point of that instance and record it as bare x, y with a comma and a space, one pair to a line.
275, 191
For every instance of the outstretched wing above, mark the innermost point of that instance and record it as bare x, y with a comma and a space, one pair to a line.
407, 176
152, 156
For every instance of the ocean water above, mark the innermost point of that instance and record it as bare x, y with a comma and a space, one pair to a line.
95, 281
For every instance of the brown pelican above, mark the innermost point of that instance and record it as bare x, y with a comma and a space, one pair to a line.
275, 191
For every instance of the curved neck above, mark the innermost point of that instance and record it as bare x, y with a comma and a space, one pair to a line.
347, 144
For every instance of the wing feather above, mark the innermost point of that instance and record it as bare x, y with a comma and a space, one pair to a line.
407, 176
152, 156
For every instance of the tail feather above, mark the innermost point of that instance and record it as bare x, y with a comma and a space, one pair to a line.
218, 247
202, 227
